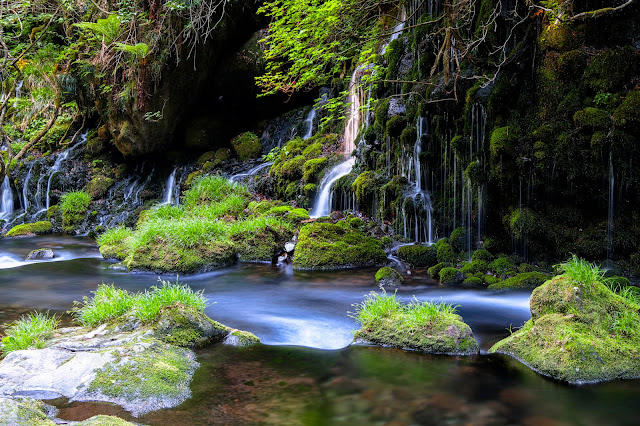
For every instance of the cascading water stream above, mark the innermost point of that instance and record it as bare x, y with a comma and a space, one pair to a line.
6, 208
251, 172
309, 124
60, 160
322, 206
171, 183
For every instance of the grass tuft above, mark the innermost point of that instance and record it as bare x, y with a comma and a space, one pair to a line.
30, 331
580, 270
148, 305
108, 303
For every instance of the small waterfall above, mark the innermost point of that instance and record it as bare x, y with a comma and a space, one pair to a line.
25, 186
6, 208
322, 206
251, 172
610, 211
169, 195
308, 122
60, 160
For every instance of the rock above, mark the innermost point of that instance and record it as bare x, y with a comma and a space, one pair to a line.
43, 253
527, 280
387, 276
578, 333
289, 247
335, 246
186, 327
30, 229
240, 338
418, 255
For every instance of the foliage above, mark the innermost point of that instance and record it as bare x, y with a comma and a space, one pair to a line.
41, 227
581, 271
76, 202
30, 331
147, 306
108, 303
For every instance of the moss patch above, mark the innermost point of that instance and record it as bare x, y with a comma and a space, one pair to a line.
387, 276
336, 245
418, 255
578, 333
526, 280
246, 146
27, 229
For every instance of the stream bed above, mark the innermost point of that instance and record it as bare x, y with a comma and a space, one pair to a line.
305, 372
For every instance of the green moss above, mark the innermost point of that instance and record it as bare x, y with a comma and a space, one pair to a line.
98, 186
365, 186
312, 151
474, 267
244, 338
24, 411
74, 206
158, 372
501, 265
102, 420
445, 253
482, 254
458, 239
388, 276
593, 118
503, 141
579, 332
309, 189
395, 125
490, 279
264, 239
206, 157
418, 255
115, 243
312, 168
522, 222
185, 326
450, 275
246, 146
331, 246
425, 327
472, 282
611, 69
526, 280
36, 228
434, 271
627, 115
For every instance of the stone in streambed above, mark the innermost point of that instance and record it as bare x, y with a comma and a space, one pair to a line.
387, 276
39, 254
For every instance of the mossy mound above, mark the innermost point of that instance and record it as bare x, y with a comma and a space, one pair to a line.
425, 327
246, 146
30, 229
334, 246
387, 276
418, 255
98, 186
526, 280
187, 327
578, 333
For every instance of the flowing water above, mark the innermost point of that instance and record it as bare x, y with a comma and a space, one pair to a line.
305, 372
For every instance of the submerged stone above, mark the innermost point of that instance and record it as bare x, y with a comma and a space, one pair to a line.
578, 333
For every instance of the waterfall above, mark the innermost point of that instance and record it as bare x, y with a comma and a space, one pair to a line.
6, 207
610, 210
171, 184
25, 187
322, 206
308, 122
251, 172
60, 160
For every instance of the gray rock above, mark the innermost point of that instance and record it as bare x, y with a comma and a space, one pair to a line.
38, 254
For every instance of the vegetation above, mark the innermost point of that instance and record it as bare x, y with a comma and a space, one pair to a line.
31, 331
36, 228
580, 331
425, 326
74, 206
387, 276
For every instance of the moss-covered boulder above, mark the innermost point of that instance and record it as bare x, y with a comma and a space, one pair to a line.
74, 206
98, 186
30, 229
450, 275
422, 326
418, 255
524, 281
387, 276
246, 146
336, 245
579, 332
114, 244
184, 326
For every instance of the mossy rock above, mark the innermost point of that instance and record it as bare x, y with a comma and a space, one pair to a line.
627, 115
30, 229
482, 254
445, 253
246, 146
503, 141
501, 265
450, 275
474, 267
526, 280
592, 118
98, 186
334, 246
442, 334
434, 271
578, 333
458, 239
312, 168
262, 244
207, 156
387, 276
24, 412
418, 255
74, 206
611, 69
184, 326
241, 338
472, 282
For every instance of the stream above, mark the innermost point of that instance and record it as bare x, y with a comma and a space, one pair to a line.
305, 372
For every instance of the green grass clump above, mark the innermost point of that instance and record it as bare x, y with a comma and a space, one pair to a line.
425, 326
108, 303
147, 306
212, 189
581, 271
30, 331
76, 202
